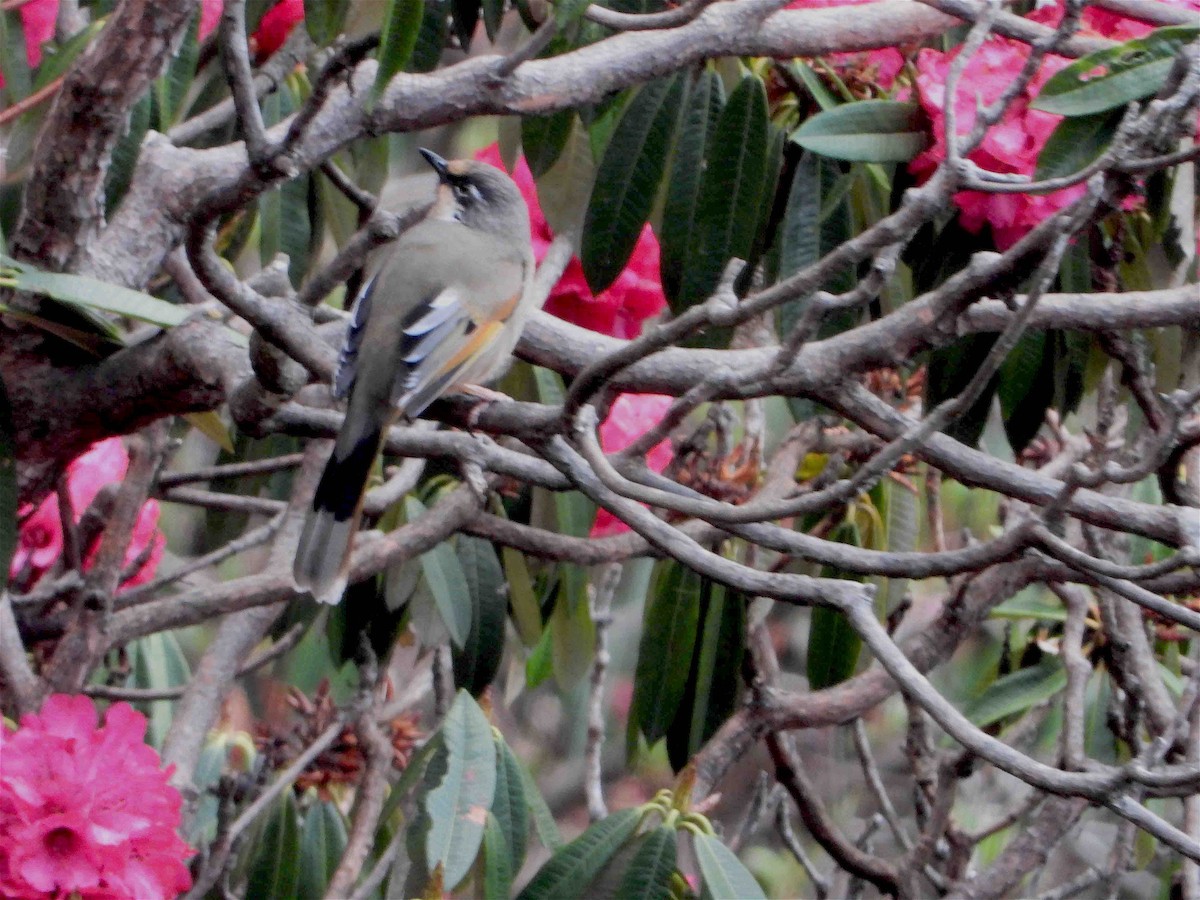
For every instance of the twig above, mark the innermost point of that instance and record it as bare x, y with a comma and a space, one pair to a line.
601, 610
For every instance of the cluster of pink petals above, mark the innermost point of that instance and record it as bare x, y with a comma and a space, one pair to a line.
620, 311
275, 26
880, 66
40, 542
631, 416
1013, 145
87, 812
37, 25
635, 296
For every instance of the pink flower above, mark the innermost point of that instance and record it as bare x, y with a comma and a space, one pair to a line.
275, 26
210, 17
879, 66
87, 811
1119, 28
631, 416
635, 296
1011, 146
37, 24
40, 541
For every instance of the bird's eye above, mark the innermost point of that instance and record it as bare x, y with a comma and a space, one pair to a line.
467, 192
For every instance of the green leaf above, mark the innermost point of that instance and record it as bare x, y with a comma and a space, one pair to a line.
1017, 692
56, 59
274, 865
459, 805
800, 237
493, 17
1111, 78
170, 89
1031, 603
466, 16
649, 874
543, 139
572, 641
526, 612
322, 841
702, 109
324, 19
718, 664
497, 861
866, 131
669, 633
90, 293
509, 806
568, 871
431, 37
8, 489
543, 820
949, 371
1076, 143
125, 154
445, 580
477, 661
627, 180
158, 662
17, 79
730, 191
565, 188
397, 41
1026, 388
568, 11
833, 645
725, 878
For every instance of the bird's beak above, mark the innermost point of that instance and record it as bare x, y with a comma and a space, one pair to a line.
439, 164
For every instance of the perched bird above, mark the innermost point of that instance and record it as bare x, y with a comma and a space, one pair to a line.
441, 311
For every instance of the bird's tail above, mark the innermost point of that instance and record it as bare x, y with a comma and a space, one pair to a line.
323, 555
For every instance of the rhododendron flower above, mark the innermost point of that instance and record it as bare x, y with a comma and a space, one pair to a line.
40, 541
37, 25
631, 416
87, 811
1011, 146
879, 66
275, 26
210, 17
635, 296
1113, 25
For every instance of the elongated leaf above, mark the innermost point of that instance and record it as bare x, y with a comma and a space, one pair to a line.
702, 110
8, 489
324, 19
497, 861
568, 11
572, 642
1026, 388
476, 663
725, 878
730, 191
1077, 142
543, 820
1017, 692
1111, 78
466, 17
627, 180
668, 642
718, 664
446, 582
398, 40
833, 646
431, 37
172, 86
459, 805
322, 841
865, 131
125, 154
526, 613
158, 663
493, 16
800, 240
17, 80
543, 139
274, 862
569, 870
510, 805
564, 190
648, 876
90, 293
949, 371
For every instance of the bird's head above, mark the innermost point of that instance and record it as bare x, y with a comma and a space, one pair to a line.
479, 196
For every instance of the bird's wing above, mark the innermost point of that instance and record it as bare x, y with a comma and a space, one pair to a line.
347, 367
447, 342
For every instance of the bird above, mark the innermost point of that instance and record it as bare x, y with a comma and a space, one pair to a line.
440, 312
